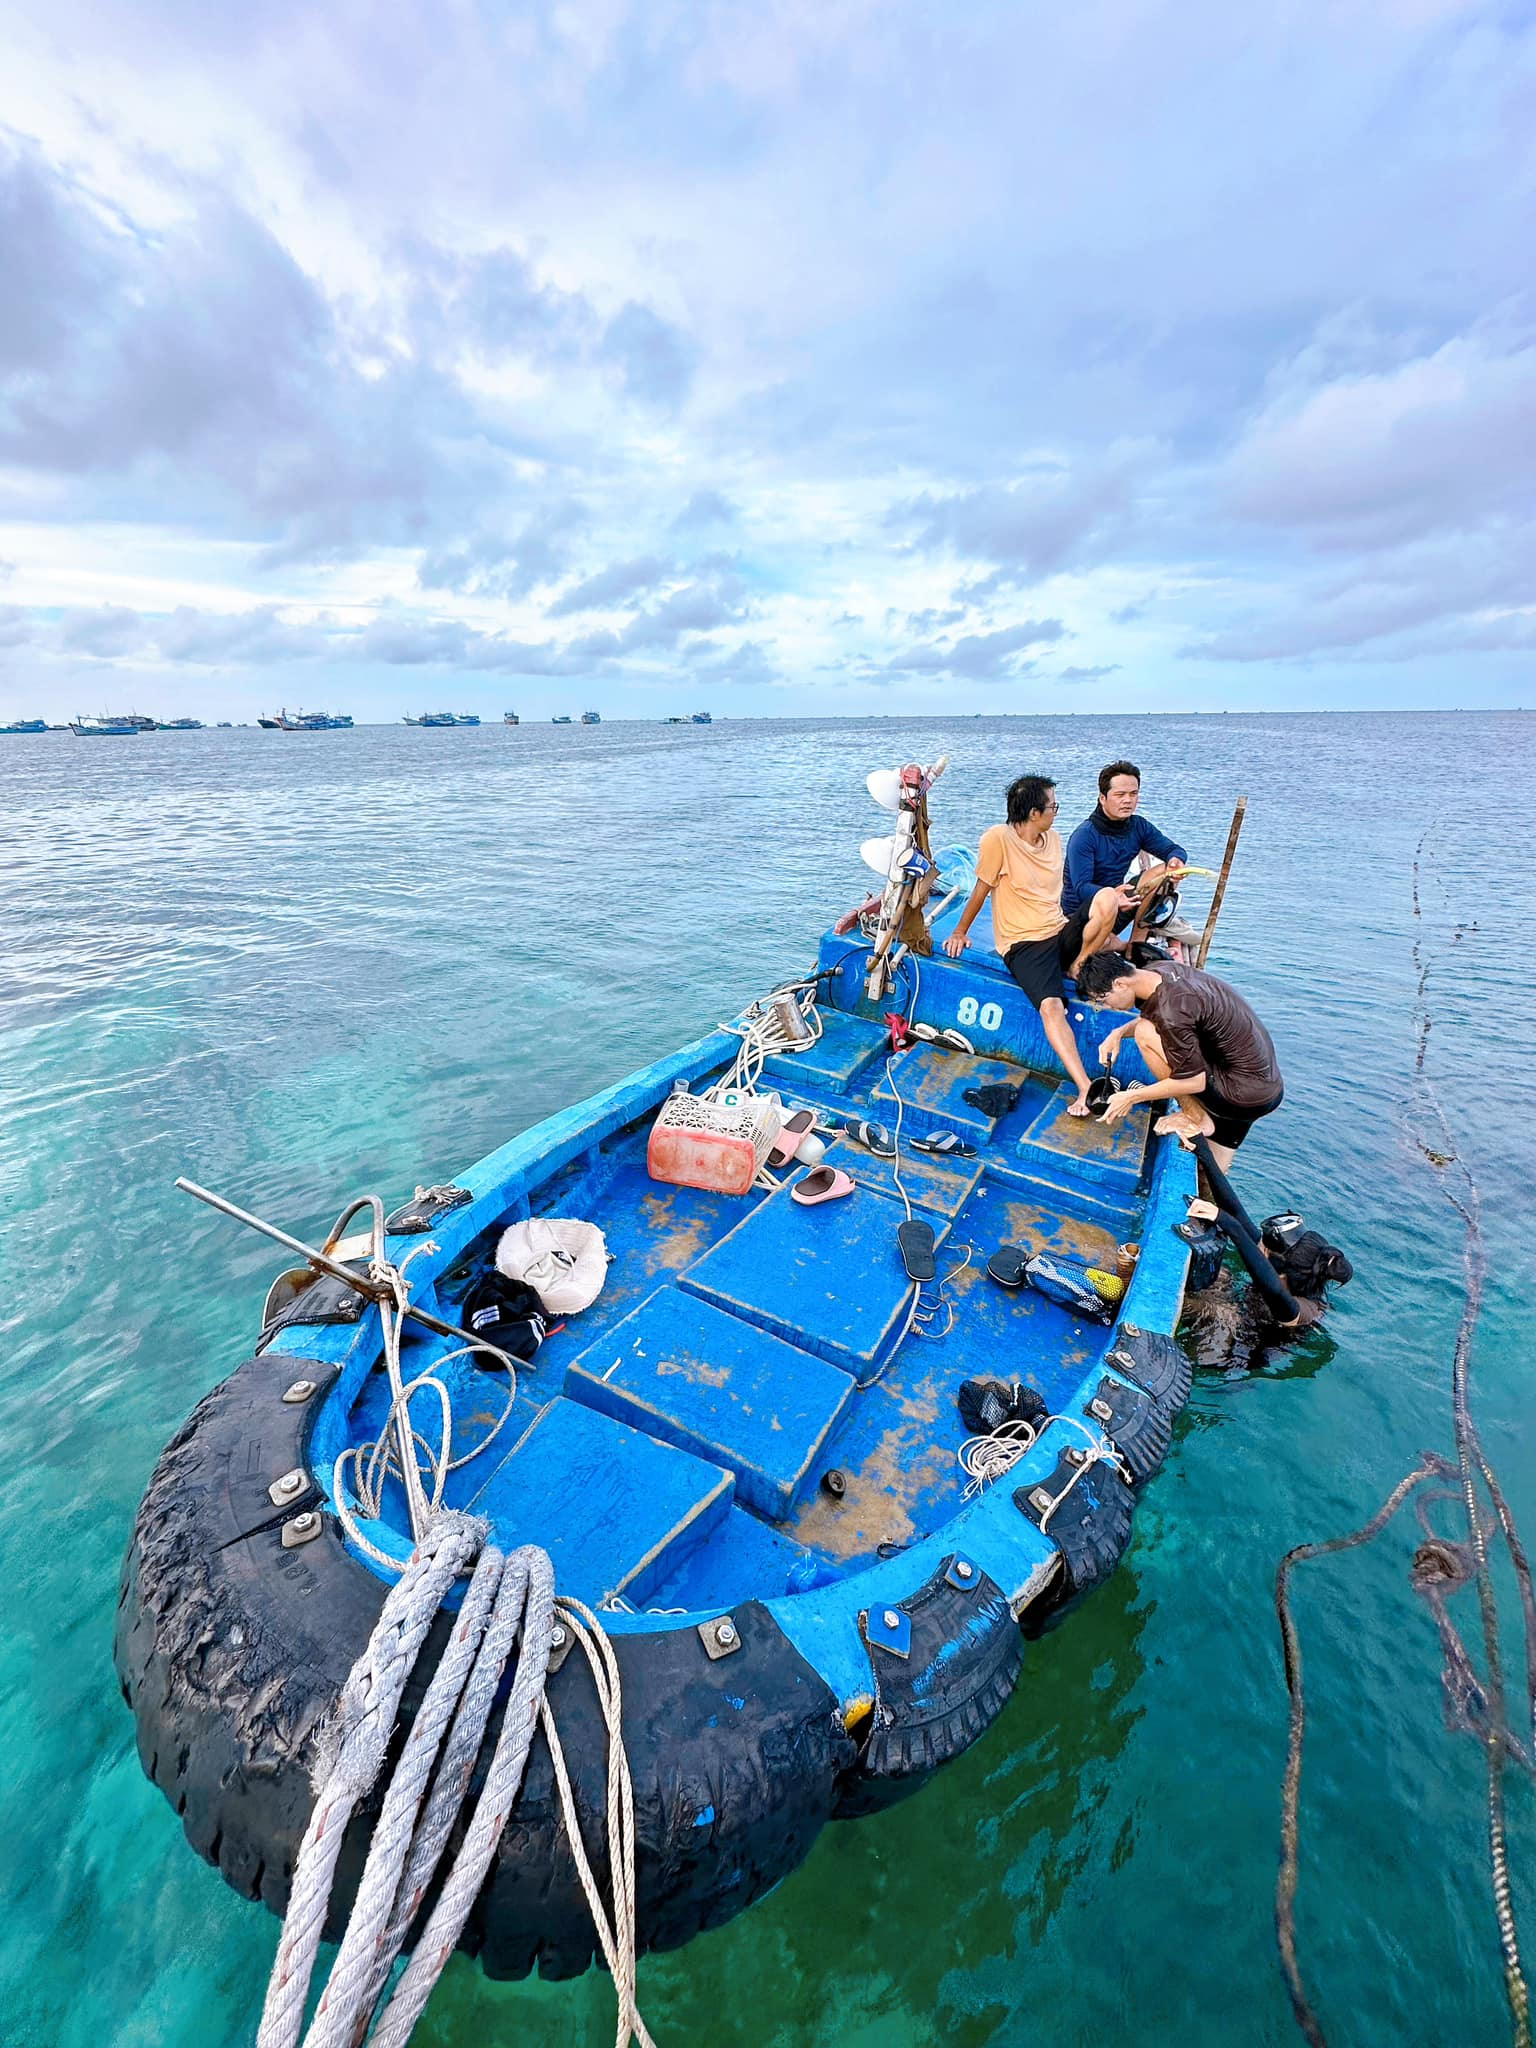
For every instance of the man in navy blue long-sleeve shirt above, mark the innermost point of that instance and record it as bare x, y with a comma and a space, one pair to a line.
1101, 850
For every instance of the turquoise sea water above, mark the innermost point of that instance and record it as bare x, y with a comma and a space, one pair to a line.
297, 967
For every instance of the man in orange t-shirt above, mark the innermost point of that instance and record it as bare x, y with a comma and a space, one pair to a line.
1020, 866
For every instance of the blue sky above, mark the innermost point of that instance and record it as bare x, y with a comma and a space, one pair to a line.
809, 356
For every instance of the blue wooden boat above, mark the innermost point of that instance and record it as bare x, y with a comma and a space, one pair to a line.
745, 1452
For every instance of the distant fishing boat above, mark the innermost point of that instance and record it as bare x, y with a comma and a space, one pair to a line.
815, 1576
510, 718
179, 725
108, 725
25, 725
591, 718
561, 718
225, 725
702, 718
306, 721
466, 717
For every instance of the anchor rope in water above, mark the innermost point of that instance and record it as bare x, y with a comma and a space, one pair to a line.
510, 1611
1478, 1707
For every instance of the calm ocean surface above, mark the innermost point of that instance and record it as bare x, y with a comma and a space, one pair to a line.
297, 967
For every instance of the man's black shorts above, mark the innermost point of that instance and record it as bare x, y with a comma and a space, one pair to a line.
1036, 964
1233, 1121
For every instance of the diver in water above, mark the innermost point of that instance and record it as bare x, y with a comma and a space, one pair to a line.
1110, 838
1020, 865
1202, 1040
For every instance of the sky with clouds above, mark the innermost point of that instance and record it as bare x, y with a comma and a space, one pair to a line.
813, 356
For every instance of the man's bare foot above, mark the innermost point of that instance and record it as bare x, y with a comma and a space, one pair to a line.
1184, 1125
1079, 1107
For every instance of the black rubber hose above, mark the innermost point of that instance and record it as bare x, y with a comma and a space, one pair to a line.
1263, 1274
1222, 1189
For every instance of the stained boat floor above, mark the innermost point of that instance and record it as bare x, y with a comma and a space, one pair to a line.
814, 1302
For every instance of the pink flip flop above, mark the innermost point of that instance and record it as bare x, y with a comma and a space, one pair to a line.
791, 1131
821, 1184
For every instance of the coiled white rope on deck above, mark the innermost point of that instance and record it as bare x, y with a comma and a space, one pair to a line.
509, 1608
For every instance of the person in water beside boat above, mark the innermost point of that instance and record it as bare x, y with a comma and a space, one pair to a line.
1021, 866
1203, 1041
1110, 838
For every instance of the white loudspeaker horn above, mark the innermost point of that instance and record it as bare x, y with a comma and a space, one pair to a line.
884, 785
876, 854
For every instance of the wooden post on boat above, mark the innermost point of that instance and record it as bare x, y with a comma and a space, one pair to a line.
901, 894
1221, 882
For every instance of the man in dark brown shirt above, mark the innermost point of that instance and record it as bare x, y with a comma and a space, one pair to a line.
1200, 1038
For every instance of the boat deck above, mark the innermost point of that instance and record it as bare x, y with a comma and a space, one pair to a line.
669, 1444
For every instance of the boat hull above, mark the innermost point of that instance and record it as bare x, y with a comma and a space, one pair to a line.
851, 1676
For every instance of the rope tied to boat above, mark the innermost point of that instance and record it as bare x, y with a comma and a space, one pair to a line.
510, 1616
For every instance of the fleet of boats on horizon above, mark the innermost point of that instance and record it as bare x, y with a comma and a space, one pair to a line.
128, 724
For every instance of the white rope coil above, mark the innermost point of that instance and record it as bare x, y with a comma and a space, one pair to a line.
509, 1611
985, 1459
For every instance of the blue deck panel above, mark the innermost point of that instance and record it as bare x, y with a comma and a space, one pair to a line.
615, 1509
1005, 1212
717, 1387
939, 1187
1109, 1154
654, 1232
827, 1278
845, 1050
933, 1085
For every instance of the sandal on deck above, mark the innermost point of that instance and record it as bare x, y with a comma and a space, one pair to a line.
947, 1144
873, 1137
914, 1239
1006, 1265
950, 1039
821, 1184
791, 1131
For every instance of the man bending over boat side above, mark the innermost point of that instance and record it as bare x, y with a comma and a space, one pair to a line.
1202, 1040
1020, 865
1101, 850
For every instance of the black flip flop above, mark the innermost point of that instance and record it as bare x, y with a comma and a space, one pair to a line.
946, 1144
1006, 1265
873, 1137
915, 1241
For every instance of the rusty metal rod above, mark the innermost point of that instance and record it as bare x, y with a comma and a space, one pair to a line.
362, 1282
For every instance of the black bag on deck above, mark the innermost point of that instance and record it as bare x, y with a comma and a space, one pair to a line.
986, 1404
506, 1314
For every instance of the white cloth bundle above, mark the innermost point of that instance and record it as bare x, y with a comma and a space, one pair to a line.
564, 1261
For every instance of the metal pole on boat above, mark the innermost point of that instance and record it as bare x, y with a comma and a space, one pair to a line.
1221, 882
362, 1282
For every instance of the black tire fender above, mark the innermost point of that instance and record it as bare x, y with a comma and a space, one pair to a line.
232, 1650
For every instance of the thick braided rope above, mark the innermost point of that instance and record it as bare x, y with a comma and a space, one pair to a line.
365, 1717
533, 1578
346, 1994
451, 1784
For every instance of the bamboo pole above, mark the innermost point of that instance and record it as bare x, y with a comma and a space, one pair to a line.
1221, 882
